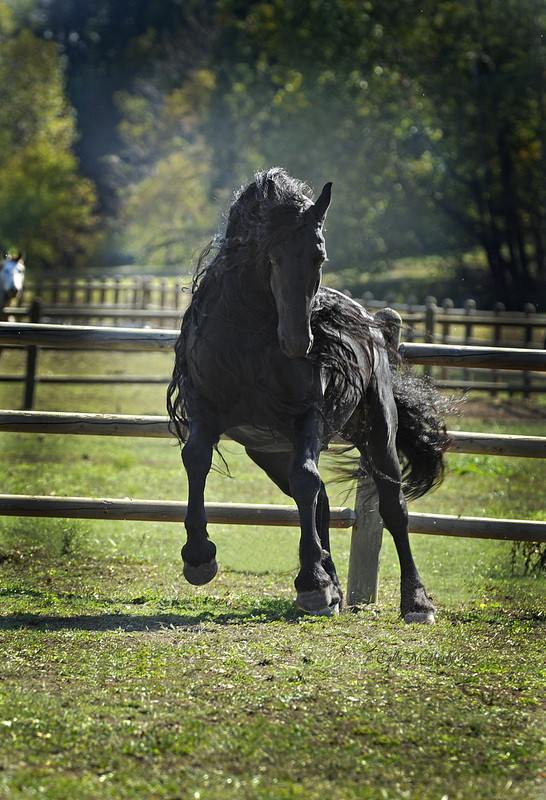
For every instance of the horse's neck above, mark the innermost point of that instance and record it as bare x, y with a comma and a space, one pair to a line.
244, 296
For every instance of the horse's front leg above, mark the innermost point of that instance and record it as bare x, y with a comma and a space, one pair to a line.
199, 553
316, 592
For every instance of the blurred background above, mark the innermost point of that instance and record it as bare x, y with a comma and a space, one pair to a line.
127, 126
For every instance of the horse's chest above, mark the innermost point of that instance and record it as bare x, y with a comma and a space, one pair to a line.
251, 381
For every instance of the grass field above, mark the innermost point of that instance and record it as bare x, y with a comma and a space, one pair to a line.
121, 681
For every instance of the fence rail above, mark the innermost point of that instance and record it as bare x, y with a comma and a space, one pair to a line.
118, 301
155, 426
365, 520
143, 339
257, 514
76, 337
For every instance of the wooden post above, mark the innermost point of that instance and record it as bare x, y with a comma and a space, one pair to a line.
37, 288
177, 295
447, 306
32, 358
469, 309
410, 327
529, 309
498, 308
367, 535
116, 290
163, 292
430, 320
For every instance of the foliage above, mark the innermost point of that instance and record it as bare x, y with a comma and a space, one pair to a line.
428, 116
167, 216
166, 213
46, 208
481, 67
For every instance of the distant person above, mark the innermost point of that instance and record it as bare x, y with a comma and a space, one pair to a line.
12, 279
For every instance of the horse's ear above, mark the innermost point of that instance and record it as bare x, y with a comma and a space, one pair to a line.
321, 206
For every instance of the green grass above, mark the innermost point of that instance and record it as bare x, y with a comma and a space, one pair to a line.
121, 681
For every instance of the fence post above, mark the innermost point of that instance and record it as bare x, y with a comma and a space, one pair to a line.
469, 309
116, 290
32, 358
430, 321
55, 291
447, 306
410, 326
177, 295
71, 291
146, 292
498, 308
529, 309
367, 535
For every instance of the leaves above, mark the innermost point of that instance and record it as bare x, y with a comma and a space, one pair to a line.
46, 208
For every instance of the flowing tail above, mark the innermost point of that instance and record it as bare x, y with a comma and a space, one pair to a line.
422, 438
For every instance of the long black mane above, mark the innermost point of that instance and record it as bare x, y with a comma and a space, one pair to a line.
269, 208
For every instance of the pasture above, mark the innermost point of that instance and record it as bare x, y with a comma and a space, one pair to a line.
121, 681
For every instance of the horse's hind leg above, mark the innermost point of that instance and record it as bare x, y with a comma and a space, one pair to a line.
277, 466
415, 605
199, 553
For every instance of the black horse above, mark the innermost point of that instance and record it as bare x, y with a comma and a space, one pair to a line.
282, 365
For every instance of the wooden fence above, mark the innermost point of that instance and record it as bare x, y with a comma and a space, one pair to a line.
364, 520
117, 298
136, 292
136, 301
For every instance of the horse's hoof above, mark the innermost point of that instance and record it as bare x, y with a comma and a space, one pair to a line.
420, 617
317, 601
329, 611
201, 574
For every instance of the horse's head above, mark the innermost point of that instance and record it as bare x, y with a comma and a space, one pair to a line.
296, 261
12, 276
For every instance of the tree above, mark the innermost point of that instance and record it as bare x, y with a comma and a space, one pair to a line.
429, 117
481, 129
46, 208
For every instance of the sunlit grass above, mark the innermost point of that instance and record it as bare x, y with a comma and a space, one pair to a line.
119, 680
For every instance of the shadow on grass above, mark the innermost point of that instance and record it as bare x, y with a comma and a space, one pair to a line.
270, 611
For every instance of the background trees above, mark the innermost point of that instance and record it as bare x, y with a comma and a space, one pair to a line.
46, 207
428, 116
